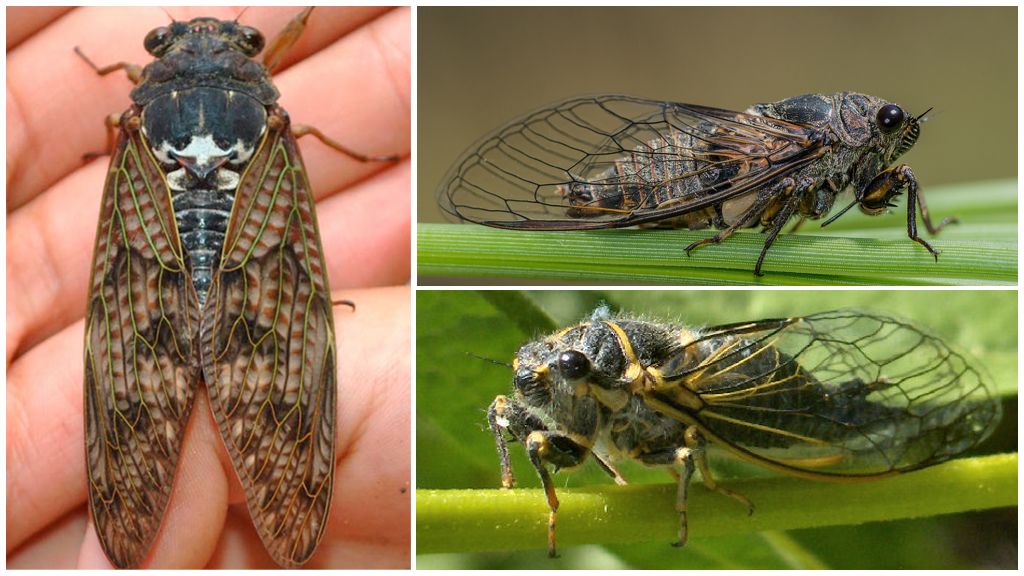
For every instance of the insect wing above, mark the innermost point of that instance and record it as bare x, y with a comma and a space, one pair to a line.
845, 393
612, 161
269, 352
140, 363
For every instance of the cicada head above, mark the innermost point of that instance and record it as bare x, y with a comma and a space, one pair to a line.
200, 53
550, 372
536, 375
204, 35
898, 129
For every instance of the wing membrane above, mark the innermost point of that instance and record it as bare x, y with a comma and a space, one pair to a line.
846, 393
611, 161
140, 366
269, 353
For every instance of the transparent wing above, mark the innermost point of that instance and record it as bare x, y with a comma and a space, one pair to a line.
610, 161
269, 353
844, 393
140, 366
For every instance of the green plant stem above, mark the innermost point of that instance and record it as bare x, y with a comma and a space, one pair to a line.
475, 520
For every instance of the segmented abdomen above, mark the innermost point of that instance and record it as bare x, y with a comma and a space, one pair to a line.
202, 217
674, 169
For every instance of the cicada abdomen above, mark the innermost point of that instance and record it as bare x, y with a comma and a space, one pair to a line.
615, 161
209, 267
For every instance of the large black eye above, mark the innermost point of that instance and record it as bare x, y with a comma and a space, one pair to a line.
573, 364
890, 117
157, 39
251, 40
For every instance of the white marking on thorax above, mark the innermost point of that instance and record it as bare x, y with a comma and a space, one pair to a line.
201, 147
224, 179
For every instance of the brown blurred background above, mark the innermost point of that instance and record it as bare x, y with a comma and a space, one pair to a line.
480, 67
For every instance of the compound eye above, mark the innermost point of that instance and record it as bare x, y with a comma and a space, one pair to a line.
890, 117
573, 364
156, 41
251, 40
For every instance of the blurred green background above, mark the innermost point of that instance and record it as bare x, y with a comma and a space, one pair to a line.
455, 449
480, 67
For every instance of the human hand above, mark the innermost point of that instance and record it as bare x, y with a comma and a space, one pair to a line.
347, 75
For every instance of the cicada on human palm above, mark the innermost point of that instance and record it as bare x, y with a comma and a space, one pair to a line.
615, 161
208, 267
836, 395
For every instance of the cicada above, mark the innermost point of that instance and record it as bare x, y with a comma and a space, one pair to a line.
615, 161
836, 395
208, 267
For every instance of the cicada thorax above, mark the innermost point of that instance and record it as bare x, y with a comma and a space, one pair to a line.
203, 138
204, 105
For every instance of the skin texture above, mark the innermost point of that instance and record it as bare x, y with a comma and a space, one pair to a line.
348, 75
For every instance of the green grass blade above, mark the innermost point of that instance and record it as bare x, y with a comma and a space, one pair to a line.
856, 249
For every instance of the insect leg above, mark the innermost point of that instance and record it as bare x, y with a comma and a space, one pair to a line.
906, 177
878, 194
113, 124
797, 226
760, 203
505, 415
912, 218
697, 444
134, 71
300, 130
684, 460
542, 446
285, 39
780, 219
348, 303
681, 460
561, 451
610, 469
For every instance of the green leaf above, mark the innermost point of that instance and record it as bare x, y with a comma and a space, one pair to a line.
856, 249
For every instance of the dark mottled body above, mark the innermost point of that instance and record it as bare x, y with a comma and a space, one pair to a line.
204, 108
208, 269
615, 161
845, 394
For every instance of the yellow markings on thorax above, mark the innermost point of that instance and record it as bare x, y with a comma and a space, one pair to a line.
646, 379
614, 399
634, 372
